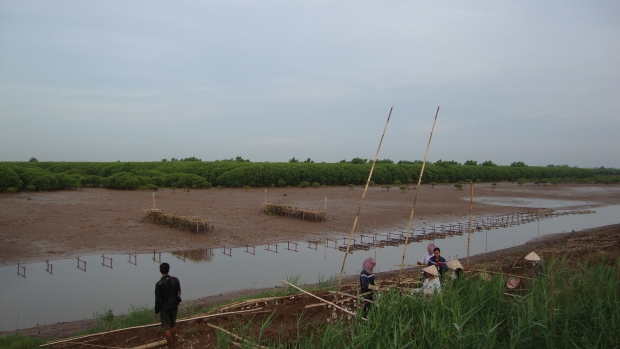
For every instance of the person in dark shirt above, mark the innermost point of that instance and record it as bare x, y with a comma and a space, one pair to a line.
438, 261
367, 282
167, 299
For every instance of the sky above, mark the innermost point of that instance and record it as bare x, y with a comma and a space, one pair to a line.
531, 81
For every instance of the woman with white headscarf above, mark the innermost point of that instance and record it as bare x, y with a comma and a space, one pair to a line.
428, 254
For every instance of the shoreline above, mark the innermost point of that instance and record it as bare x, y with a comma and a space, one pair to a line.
556, 240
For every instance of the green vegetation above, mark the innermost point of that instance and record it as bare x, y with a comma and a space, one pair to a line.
193, 173
569, 307
403, 188
16, 341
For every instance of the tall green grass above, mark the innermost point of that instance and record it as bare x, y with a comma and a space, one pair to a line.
569, 307
19, 342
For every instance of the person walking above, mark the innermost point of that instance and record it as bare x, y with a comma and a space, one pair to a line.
167, 299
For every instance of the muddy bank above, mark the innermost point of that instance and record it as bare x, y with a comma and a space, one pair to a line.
38, 226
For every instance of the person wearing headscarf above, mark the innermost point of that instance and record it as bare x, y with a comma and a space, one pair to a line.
431, 282
367, 281
428, 255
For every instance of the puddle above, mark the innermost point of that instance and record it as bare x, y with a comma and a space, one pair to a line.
527, 202
71, 293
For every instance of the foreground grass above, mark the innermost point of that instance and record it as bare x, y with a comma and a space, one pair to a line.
19, 342
568, 307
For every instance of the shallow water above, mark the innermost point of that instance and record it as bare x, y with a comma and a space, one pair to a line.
73, 294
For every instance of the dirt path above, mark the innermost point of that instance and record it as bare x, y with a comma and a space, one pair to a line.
53, 225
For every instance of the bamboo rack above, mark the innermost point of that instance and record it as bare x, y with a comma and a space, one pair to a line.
296, 212
193, 224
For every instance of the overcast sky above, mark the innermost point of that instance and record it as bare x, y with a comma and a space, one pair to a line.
531, 81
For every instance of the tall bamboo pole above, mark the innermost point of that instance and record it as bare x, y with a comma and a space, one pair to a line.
471, 210
402, 263
344, 261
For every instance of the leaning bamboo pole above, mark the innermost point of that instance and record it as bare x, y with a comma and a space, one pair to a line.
147, 326
321, 299
357, 215
235, 336
417, 191
471, 211
152, 345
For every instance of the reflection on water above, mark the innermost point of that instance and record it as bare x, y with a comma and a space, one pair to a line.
72, 289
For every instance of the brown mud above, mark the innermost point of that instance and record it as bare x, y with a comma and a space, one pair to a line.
39, 226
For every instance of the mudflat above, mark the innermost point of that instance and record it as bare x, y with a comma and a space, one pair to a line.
51, 225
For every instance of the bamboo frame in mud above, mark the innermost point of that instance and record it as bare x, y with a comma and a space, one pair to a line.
192, 224
283, 210
374, 162
415, 199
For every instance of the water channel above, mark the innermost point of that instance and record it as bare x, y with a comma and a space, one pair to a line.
71, 293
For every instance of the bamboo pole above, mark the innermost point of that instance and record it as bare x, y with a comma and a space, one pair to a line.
93, 345
357, 215
145, 326
234, 336
152, 345
319, 298
471, 210
417, 191
499, 273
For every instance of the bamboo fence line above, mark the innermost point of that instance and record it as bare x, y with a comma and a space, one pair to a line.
193, 224
296, 212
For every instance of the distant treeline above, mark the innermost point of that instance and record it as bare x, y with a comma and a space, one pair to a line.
152, 175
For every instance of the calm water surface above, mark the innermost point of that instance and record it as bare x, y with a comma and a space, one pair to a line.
73, 294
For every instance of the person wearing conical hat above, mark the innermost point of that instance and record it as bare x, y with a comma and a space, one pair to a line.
535, 259
431, 283
457, 267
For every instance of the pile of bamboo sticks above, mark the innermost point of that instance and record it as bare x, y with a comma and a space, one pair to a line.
193, 224
289, 211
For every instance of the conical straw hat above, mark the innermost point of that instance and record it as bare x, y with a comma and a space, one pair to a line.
532, 257
431, 270
454, 264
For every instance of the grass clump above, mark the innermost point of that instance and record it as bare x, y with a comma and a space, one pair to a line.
16, 341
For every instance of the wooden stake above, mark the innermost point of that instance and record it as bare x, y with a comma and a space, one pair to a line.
402, 263
265, 195
325, 207
357, 215
471, 210
153, 200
